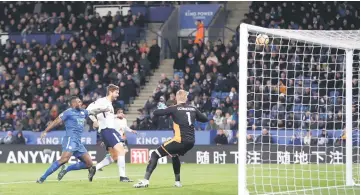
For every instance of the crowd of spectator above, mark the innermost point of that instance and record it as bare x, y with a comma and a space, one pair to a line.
290, 85
319, 15
205, 70
293, 85
13, 139
62, 17
37, 80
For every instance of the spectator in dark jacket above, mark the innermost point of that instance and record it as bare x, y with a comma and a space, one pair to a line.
221, 138
179, 63
150, 105
19, 139
154, 55
265, 137
145, 64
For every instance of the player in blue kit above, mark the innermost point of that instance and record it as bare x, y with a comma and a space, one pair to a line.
74, 119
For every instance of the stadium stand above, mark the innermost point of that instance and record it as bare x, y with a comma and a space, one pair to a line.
40, 71
209, 72
311, 97
95, 51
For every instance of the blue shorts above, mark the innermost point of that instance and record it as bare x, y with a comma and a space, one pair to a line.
111, 137
74, 146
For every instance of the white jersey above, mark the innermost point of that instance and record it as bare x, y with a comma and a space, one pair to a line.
105, 119
121, 125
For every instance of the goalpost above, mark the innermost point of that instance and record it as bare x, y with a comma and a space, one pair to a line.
303, 83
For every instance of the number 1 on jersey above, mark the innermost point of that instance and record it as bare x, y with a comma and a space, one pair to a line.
189, 118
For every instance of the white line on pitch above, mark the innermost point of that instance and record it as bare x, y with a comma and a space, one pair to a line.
75, 179
53, 180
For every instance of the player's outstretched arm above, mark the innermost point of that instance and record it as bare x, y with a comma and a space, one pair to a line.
163, 112
126, 128
53, 124
201, 117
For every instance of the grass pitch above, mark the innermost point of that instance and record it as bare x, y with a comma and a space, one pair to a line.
311, 179
19, 179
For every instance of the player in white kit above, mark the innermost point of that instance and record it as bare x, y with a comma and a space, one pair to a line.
121, 126
112, 138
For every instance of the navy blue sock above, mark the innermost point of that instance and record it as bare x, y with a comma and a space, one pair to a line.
50, 170
76, 166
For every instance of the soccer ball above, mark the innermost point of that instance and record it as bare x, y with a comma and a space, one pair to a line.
262, 39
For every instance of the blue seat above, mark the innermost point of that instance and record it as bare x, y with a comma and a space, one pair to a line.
334, 94
181, 74
219, 94
251, 111
314, 91
203, 126
337, 133
197, 125
281, 137
323, 116
297, 107
216, 94
224, 95
305, 108
251, 121
314, 86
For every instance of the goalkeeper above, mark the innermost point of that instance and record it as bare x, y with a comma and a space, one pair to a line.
184, 117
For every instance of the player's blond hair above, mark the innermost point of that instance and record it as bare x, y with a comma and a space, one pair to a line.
181, 96
112, 88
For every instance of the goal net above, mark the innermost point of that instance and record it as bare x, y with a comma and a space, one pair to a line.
300, 105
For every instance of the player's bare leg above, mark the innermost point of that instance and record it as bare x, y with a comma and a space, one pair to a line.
108, 159
176, 168
111, 157
120, 150
85, 163
117, 154
65, 156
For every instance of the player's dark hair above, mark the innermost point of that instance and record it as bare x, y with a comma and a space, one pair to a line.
72, 98
119, 109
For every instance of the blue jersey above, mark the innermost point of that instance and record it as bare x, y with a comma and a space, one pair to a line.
74, 121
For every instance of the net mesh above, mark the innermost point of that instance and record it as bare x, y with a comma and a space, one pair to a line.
296, 113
